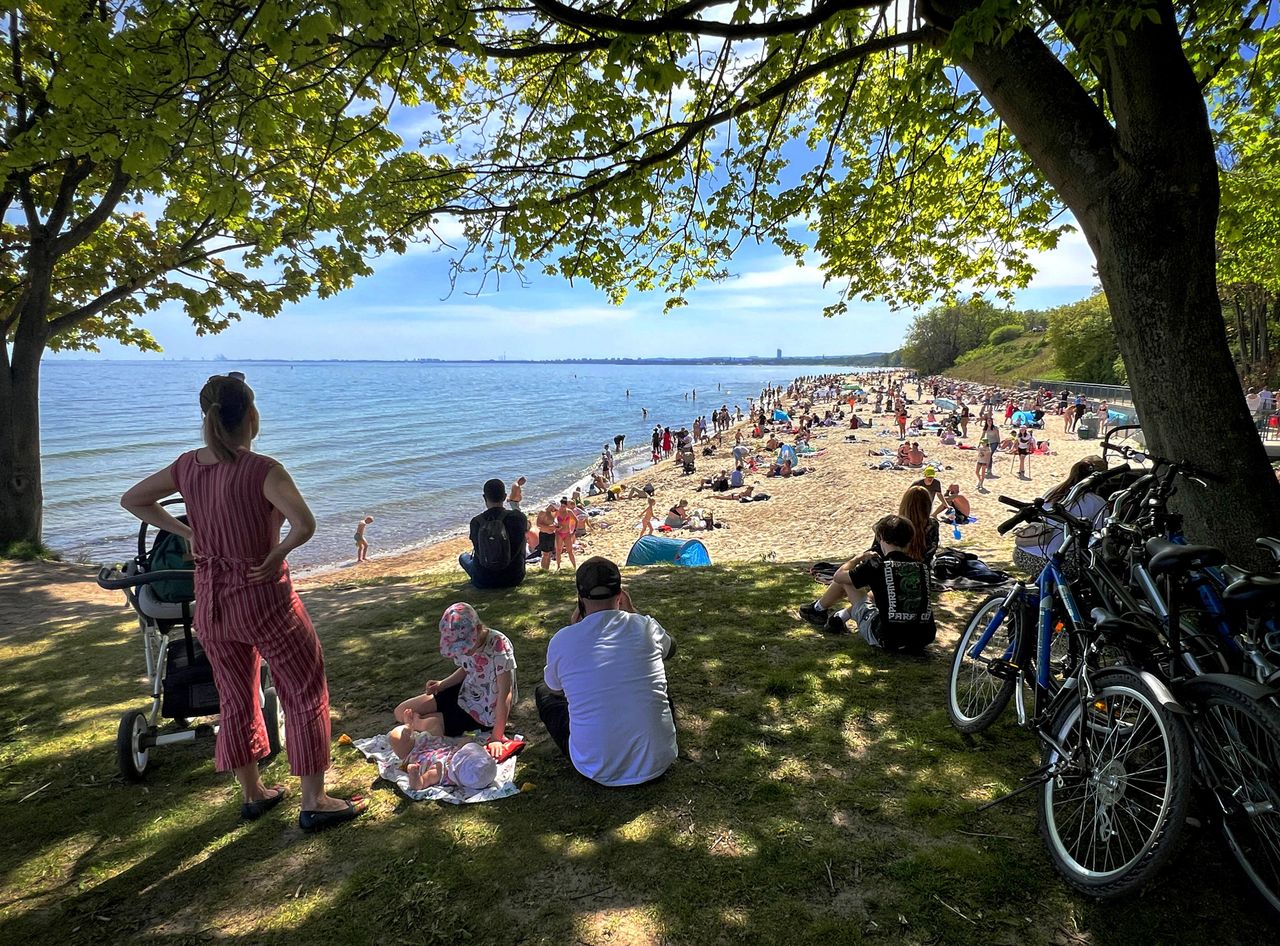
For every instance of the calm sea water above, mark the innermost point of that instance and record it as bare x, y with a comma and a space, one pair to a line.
409, 444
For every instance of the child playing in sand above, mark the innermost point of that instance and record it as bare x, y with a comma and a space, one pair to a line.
983, 464
362, 544
478, 695
433, 760
646, 520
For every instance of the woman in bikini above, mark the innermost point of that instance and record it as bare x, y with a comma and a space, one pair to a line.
566, 526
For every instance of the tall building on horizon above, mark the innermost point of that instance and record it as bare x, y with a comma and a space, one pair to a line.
779, 354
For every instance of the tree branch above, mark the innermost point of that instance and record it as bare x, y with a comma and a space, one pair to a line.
676, 22
64, 323
1048, 111
85, 227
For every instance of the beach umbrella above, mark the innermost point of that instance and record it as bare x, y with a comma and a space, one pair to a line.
946, 404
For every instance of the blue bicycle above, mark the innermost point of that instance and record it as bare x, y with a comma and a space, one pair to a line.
1115, 783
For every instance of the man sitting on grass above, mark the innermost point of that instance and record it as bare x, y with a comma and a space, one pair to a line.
888, 593
604, 697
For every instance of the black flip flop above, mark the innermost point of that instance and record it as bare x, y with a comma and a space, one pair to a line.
319, 820
253, 810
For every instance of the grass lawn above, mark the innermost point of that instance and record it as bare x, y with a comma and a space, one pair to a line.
820, 797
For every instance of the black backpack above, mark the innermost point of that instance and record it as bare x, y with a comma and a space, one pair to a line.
493, 545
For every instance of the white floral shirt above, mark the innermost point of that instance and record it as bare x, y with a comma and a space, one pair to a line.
479, 692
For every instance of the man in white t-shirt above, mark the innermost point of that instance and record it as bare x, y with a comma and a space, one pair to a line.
604, 697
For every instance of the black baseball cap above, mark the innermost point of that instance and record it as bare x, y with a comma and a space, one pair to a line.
598, 578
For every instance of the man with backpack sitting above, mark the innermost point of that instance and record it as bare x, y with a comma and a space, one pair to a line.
496, 559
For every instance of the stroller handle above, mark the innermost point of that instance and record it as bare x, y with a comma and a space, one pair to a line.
111, 576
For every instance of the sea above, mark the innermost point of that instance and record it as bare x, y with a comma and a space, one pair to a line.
409, 443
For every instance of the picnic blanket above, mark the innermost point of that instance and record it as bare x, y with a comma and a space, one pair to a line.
378, 751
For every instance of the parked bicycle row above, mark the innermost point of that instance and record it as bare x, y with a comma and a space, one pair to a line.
1147, 667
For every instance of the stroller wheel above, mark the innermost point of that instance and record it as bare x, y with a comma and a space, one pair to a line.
273, 716
131, 752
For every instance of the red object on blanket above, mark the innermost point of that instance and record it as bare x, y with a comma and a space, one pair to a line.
664, 528
509, 748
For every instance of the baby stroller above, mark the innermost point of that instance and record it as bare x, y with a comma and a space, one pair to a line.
159, 586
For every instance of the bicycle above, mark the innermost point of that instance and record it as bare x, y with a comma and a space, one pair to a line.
1114, 789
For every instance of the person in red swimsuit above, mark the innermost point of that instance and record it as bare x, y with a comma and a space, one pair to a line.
246, 608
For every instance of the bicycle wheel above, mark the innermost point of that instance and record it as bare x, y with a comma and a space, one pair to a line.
975, 694
1115, 810
1239, 742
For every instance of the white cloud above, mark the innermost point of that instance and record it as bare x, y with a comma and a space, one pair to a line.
1067, 266
785, 276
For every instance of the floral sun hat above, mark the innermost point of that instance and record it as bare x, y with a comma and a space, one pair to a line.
459, 626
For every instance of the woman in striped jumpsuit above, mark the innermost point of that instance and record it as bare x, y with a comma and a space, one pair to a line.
246, 608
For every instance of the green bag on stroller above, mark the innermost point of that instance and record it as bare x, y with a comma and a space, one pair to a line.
169, 552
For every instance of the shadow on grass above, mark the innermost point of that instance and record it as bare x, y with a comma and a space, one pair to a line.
820, 796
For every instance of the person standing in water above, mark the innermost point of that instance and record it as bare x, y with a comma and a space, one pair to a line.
362, 544
516, 497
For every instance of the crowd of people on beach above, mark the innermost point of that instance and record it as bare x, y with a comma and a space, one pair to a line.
603, 699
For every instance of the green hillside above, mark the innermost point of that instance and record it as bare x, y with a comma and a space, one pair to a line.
1029, 356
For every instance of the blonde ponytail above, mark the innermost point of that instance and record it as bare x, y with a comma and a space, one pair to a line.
225, 402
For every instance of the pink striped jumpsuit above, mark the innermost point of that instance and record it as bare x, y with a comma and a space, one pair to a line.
239, 622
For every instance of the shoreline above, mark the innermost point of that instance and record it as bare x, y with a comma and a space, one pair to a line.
826, 514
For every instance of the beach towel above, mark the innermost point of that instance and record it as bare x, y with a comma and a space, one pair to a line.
378, 751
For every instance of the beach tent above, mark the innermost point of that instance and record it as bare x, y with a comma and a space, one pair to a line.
656, 550
945, 404
782, 416
786, 452
1024, 417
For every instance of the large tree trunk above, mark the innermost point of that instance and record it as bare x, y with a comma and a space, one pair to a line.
1154, 252
1143, 185
21, 495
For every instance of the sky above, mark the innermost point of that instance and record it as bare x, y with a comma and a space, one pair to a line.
405, 311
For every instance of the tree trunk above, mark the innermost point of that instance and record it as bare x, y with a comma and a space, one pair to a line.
1143, 185
1155, 260
21, 495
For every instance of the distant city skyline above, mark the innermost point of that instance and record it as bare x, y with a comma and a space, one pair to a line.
405, 312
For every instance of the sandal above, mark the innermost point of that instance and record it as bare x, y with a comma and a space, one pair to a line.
319, 820
253, 810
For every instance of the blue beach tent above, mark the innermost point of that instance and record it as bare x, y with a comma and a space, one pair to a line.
781, 416
657, 550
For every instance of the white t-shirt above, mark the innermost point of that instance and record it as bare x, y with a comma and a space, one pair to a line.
1253, 402
609, 666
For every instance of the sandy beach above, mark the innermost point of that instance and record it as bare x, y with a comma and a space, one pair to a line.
826, 514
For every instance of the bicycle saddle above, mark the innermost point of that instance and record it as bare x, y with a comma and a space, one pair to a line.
1169, 558
1253, 589
1270, 544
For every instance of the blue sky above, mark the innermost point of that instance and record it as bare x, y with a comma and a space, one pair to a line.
405, 311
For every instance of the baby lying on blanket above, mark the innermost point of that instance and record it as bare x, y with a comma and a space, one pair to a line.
435, 760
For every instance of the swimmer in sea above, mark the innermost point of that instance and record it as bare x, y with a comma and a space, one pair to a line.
362, 544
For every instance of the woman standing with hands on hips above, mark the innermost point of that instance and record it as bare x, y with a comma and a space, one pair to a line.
246, 608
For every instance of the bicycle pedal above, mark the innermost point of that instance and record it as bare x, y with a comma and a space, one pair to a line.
1003, 669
